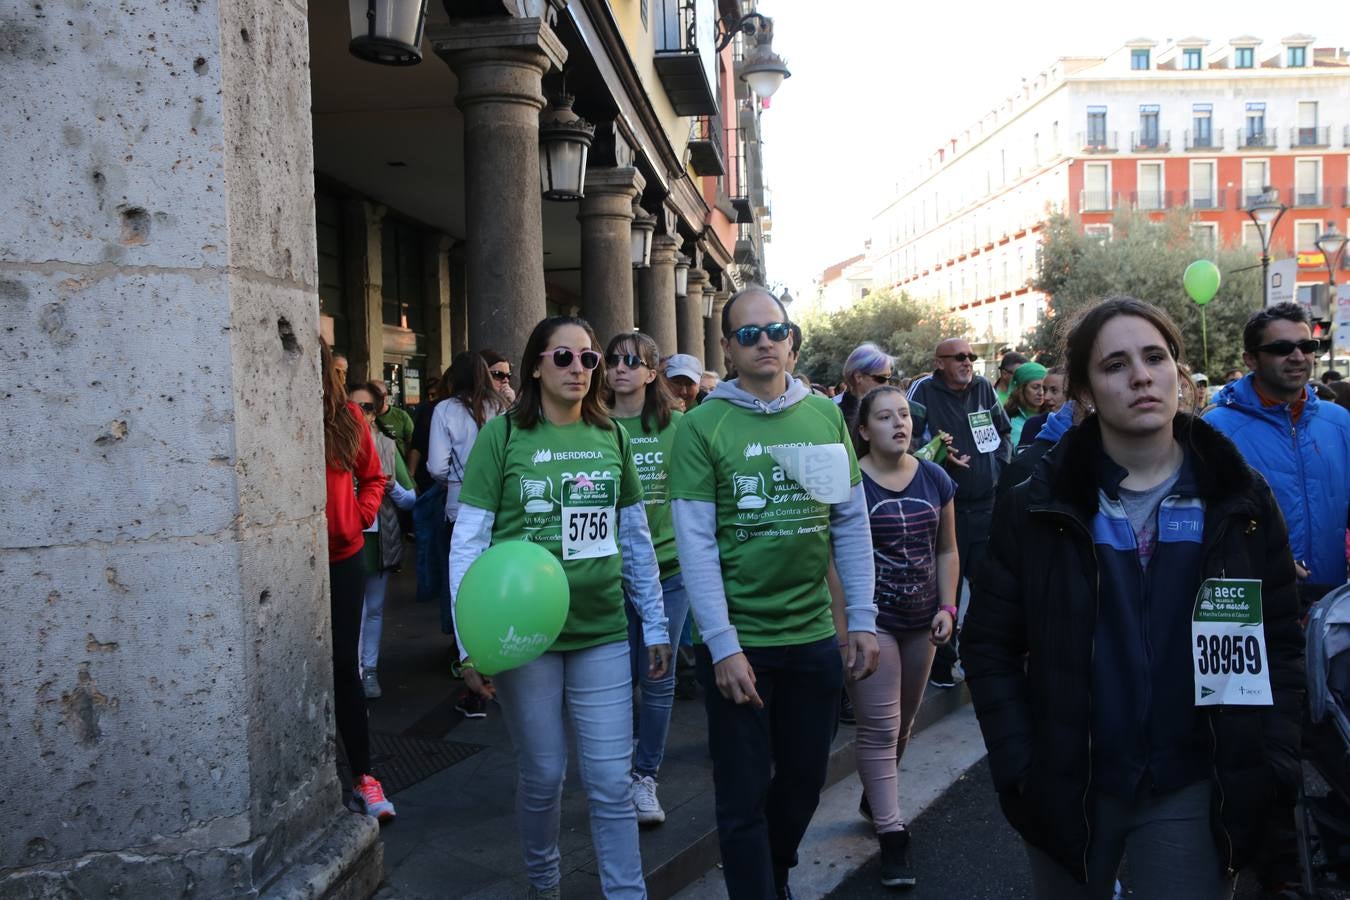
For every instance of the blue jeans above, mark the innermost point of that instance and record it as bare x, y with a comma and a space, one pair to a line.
652, 722
597, 688
769, 764
433, 549
372, 619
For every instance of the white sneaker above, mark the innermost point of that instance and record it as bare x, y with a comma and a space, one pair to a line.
649, 811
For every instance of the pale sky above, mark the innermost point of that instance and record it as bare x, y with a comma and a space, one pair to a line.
878, 84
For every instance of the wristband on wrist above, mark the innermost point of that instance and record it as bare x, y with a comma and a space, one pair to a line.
843, 644
949, 610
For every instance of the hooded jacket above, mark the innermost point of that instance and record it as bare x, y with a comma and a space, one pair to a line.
1307, 464
1032, 633
935, 407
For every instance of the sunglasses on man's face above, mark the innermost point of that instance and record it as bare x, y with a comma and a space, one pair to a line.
960, 357
630, 360
1285, 348
562, 357
499, 376
748, 335
367, 407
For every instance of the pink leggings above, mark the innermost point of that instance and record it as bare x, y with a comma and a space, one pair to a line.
885, 705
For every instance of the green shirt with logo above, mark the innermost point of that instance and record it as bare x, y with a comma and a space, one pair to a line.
772, 536
522, 480
651, 451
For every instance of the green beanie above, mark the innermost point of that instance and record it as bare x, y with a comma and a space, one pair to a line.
1028, 371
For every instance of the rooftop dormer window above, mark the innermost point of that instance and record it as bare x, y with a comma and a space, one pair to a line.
1190, 58
1244, 58
1139, 60
1296, 57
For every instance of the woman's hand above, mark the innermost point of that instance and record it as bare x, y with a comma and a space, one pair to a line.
658, 661
941, 629
479, 683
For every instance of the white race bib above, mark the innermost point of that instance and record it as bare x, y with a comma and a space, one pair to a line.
821, 469
984, 432
588, 518
1228, 645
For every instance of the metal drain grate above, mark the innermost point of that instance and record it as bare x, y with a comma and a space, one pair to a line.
400, 762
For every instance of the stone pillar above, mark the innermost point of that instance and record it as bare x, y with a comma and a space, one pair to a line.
606, 217
690, 312
499, 63
436, 283
459, 302
166, 692
713, 357
364, 286
656, 295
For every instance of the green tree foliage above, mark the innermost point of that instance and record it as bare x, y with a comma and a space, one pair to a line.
1145, 259
906, 328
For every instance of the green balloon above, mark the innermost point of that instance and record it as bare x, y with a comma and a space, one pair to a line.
1201, 281
511, 605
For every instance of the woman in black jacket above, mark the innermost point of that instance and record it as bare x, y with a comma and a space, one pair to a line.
1109, 735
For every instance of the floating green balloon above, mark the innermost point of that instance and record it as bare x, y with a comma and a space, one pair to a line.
1201, 281
511, 605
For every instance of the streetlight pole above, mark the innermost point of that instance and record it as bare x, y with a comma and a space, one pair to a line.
1332, 244
1266, 214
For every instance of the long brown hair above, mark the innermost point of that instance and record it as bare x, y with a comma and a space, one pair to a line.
529, 408
470, 384
341, 430
657, 400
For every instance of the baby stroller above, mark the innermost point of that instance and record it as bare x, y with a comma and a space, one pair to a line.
1323, 822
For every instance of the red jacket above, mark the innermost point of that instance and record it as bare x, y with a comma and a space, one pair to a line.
351, 509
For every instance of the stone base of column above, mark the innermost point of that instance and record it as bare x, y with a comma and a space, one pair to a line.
345, 863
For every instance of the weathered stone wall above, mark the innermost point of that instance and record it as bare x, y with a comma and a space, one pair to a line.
165, 680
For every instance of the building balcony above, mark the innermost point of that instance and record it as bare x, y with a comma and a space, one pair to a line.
1306, 197
1095, 201
1210, 141
1097, 141
1151, 200
1150, 141
1310, 137
1201, 200
1257, 140
679, 63
706, 156
737, 180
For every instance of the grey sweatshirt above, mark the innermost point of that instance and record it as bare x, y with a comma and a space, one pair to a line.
700, 561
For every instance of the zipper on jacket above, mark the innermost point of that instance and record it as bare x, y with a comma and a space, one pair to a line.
1303, 483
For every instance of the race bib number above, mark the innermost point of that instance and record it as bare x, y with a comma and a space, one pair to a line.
983, 430
821, 469
1228, 644
588, 518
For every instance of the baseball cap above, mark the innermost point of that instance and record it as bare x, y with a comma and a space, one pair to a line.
686, 365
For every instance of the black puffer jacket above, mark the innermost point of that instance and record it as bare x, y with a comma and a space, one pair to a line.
1028, 640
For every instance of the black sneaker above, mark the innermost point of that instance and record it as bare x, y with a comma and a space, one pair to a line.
846, 716
941, 676
865, 808
896, 870
471, 706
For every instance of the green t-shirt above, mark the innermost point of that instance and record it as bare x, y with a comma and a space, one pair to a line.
400, 424
522, 482
651, 452
772, 536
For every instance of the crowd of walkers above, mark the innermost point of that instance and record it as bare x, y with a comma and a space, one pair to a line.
1053, 537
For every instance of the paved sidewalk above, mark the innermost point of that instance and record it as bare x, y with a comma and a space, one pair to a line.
455, 835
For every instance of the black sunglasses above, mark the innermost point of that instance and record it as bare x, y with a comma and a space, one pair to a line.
748, 335
882, 379
562, 357
960, 357
367, 407
1284, 348
631, 360
500, 376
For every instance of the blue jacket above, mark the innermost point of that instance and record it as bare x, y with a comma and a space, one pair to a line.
1307, 465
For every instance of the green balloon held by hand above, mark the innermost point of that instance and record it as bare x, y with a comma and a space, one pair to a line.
511, 605
1201, 281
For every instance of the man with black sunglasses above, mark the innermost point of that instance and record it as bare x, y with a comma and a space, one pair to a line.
1299, 443
766, 490
956, 401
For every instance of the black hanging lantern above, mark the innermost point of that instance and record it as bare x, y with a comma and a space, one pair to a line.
564, 143
388, 32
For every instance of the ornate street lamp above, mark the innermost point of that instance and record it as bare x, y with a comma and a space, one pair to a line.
707, 302
644, 228
785, 298
1266, 214
564, 142
1332, 244
388, 32
762, 69
681, 275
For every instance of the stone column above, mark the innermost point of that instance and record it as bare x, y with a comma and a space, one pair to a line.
459, 303
606, 217
712, 335
500, 63
166, 692
364, 286
436, 283
656, 295
690, 312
